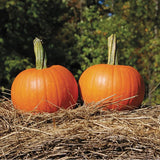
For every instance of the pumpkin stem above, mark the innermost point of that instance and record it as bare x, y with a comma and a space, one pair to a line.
112, 54
41, 58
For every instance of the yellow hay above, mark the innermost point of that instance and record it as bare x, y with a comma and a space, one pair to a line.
85, 132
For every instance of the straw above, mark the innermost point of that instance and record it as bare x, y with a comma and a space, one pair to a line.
85, 132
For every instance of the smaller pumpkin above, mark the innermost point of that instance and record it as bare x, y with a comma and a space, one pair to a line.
122, 86
43, 89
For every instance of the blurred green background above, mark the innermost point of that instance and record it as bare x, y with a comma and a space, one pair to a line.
75, 32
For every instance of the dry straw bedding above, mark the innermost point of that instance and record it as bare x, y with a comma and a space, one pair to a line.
85, 132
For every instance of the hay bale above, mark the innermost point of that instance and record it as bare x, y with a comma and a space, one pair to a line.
85, 132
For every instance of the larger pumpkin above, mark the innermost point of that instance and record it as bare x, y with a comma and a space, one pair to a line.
43, 89
122, 85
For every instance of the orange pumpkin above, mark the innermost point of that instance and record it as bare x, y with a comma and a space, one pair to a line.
122, 84
43, 89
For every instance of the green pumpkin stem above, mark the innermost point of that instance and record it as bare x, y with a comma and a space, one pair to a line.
112, 54
40, 55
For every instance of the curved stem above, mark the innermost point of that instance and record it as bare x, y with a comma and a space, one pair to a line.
40, 55
112, 54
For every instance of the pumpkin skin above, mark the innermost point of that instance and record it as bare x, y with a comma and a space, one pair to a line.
104, 80
44, 90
